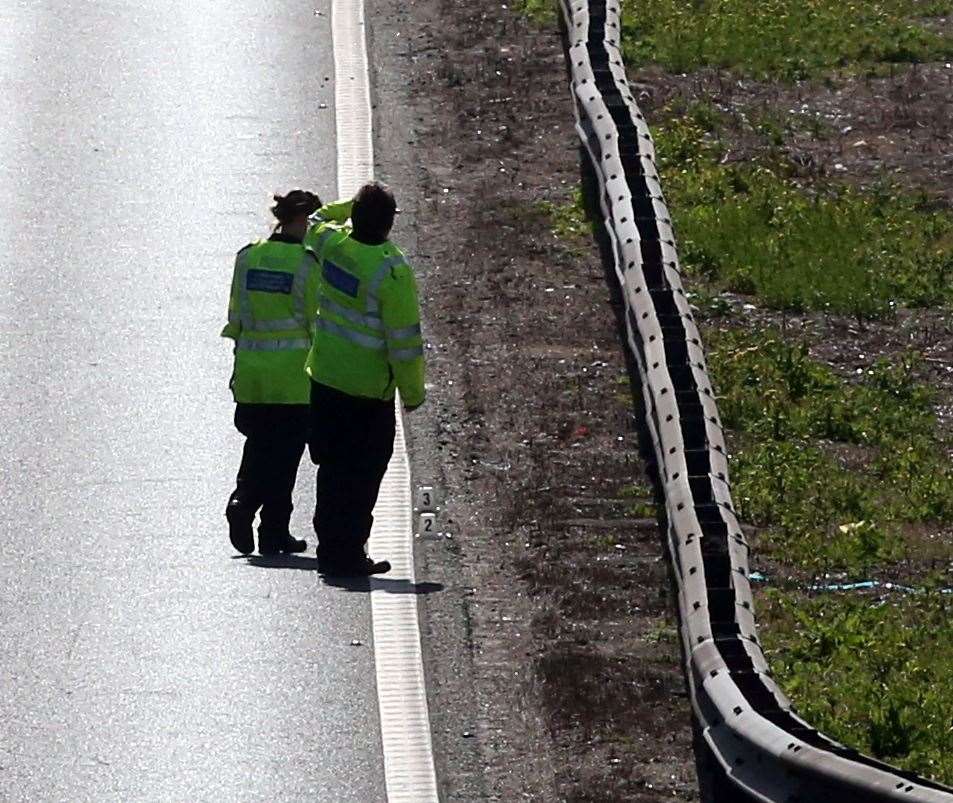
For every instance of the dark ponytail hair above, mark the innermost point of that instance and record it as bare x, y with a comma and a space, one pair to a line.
295, 203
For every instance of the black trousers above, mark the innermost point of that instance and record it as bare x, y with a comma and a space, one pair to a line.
352, 439
275, 436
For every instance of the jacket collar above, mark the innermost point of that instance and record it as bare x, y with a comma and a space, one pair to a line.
281, 237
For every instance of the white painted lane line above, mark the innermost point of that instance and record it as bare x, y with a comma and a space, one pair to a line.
401, 691
352, 97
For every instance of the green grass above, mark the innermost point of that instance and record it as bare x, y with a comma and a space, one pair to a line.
788, 39
834, 471
751, 229
542, 11
874, 674
838, 474
568, 221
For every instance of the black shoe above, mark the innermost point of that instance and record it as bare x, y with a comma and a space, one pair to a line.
358, 568
239, 527
283, 544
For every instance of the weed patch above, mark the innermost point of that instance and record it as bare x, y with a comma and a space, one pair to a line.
541, 11
752, 229
869, 672
568, 221
787, 39
796, 423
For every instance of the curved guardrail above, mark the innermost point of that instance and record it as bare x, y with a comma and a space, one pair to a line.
752, 747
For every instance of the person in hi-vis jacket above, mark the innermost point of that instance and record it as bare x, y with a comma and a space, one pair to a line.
367, 345
271, 314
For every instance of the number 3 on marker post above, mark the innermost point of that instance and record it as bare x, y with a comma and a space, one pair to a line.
426, 499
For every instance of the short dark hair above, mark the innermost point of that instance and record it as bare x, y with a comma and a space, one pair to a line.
374, 209
294, 204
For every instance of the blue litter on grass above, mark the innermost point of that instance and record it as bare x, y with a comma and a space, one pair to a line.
861, 585
846, 586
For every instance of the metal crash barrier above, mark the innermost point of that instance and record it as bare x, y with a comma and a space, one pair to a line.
750, 745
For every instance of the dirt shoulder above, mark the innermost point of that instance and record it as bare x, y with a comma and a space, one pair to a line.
552, 661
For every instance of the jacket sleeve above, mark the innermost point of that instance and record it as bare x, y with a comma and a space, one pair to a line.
400, 314
234, 326
336, 211
327, 220
319, 234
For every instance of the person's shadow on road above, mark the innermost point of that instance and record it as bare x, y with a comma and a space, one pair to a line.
352, 584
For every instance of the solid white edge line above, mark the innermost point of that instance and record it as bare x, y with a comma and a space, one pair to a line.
409, 772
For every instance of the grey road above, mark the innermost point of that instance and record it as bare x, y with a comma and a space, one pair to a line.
139, 659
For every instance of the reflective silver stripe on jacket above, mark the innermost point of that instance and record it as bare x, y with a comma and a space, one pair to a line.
244, 302
352, 315
361, 339
277, 325
298, 287
293, 344
323, 238
373, 304
405, 355
404, 333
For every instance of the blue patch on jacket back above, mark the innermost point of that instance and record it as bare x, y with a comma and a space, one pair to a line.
340, 279
269, 281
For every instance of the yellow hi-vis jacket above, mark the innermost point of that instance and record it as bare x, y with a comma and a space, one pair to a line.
271, 313
367, 338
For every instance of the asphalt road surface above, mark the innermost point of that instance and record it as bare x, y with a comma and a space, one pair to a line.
139, 659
